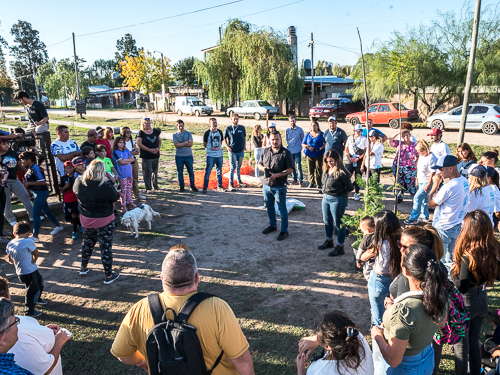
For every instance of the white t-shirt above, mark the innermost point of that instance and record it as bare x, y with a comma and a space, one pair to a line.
329, 367
496, 193
440, 149
482, 200
360, 142
424, 169
376, 160
452, 200
59, 147
33, 346
383, 259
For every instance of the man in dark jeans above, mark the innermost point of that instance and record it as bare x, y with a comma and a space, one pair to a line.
277, 163
37, 114
235, 138
183, 142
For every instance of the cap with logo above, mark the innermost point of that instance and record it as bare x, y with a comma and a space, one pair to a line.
435, 131
358, 128
68, 163
272, 125
478, 170
78, 160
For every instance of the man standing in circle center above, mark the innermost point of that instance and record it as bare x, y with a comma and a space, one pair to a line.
235, 138
183, 142
277, 163
212, 140
294, 137
335, 138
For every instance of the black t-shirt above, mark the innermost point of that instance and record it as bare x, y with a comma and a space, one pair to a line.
88, 144
10, 160
35, 112
34, 174
257, 140
276, 163
150, 141
235, 137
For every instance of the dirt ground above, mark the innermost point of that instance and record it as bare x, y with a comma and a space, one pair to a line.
235, 261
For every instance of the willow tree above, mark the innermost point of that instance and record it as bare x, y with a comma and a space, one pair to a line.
251, 63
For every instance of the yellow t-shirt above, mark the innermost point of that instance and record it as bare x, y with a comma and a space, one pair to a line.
217, 329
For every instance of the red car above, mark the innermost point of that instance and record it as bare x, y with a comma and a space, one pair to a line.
339, 107
384, 113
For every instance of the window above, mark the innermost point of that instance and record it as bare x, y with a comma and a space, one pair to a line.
252, 104
384, 108
479, 109
497, 108
396, 105
263, 103
458, 111
372, 108
245, 104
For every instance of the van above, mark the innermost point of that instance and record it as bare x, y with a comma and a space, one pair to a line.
192, 106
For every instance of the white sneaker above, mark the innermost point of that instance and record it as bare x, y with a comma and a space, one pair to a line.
356, 197
42, 218
142, 197
57, 230
35, 239
12, 222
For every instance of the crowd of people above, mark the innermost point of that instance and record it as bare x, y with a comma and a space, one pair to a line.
427, 285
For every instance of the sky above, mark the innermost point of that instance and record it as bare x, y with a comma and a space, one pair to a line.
164, 25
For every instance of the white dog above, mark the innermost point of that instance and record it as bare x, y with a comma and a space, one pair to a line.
132, 218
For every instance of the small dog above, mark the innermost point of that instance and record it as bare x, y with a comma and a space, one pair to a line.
132, 218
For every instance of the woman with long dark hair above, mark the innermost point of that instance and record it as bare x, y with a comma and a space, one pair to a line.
466, 158
257, 146
347, 351
387, 261
476, 265
149, 142
490, 159
314, 148
337, 186
404, 344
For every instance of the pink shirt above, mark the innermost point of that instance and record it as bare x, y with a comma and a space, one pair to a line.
96, 222
409, 154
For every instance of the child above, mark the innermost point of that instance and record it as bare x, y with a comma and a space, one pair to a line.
35, 181
367, 226
89, 154
23, 255
79, 164
110, 169
124, 159
69, 197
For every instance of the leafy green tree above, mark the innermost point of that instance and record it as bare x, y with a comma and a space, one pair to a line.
56, 76
29, 53
184, 73
5, 81
126, 46
100, 72
251, 64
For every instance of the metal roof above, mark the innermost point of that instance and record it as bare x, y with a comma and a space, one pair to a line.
103, 90
328, 79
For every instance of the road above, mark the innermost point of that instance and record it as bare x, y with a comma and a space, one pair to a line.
475, 137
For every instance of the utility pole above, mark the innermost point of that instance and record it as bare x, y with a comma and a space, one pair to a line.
470, 72
162, 81
34, 78
311, 44
65, 96
220, 35
76, 71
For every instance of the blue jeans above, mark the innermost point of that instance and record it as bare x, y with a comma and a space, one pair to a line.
180, 161
235, 161
420, 203
257, 153
449, 237
297, 166
211, 161
378, 289
278, 194
333, 209
39, 205
419, 364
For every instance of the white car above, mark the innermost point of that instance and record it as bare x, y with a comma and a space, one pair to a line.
479, 116
254, 108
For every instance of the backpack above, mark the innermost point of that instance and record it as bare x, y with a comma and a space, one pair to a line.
457, 318
172, 346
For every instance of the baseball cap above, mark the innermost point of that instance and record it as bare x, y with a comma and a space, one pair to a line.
92, 132
272, 125
491, 171
99, 128
68, 163
373, 133
435, 131
358, 127
332, 118
478, 170
445, 161
78, 160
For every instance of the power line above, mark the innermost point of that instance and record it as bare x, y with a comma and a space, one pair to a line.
41, 49
341, 48
162, 19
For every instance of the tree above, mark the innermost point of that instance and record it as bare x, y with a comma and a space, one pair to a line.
5, 81
144, 72
126, 46
235, 69
100, 72
56, 77
29, 53
184, 73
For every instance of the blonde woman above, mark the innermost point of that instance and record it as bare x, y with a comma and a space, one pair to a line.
426, 161
149, 143
96, 198
337, 185
481, 195
257, 144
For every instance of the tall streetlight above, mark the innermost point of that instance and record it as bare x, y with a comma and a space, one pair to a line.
162, 80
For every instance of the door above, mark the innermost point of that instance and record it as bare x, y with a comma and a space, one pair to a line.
252, 108
383, 114
454, 117
372, 112
243, 111
476, 117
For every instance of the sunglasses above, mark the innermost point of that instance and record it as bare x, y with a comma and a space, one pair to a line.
16, 321
147, 119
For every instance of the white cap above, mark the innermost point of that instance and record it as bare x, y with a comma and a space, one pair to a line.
272, 125
358, 127
373, 133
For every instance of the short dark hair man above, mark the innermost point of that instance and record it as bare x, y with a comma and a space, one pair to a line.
277, 163
63, 148
235, 137
92, 136
438, 147
217, 327
183, 142
335, 138
37, 114
212, 141
8, 337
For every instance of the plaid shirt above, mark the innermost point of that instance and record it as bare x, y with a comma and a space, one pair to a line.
9, 367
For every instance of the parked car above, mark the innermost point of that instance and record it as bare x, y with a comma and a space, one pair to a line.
192, 106
479, 116
384, 113
253, 108
339, 107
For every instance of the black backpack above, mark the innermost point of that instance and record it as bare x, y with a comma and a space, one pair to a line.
172, 346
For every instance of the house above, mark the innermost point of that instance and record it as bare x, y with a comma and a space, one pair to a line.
103, 96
